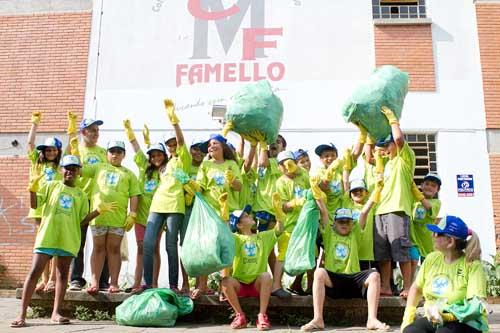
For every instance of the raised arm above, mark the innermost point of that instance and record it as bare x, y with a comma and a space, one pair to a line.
397, 134
36, 117
174, 120
129, 132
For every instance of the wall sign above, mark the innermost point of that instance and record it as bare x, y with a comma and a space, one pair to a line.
465, 185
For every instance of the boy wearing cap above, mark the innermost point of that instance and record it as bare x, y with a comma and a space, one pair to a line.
341, 277
65, 207
290, 186
112, 182
302, 159
249, 276
392, 216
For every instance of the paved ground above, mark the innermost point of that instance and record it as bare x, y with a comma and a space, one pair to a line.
9, 307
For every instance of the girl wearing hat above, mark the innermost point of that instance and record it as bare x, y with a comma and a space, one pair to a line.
44, 158
451, 281
150, 167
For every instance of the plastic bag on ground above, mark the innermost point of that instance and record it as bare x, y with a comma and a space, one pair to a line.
153, 308
256, 108
300, 255
387, 86
209, 244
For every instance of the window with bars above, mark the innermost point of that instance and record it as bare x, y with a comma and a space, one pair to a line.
424, 146
398, 9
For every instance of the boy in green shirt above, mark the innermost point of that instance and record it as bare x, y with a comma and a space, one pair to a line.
250, 277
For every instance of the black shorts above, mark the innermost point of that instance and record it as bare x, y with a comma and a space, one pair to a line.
348, 285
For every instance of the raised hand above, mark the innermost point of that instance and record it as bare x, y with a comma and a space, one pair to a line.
36, 117
169, 106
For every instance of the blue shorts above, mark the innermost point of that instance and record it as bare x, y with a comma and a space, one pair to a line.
414, 253
53, 252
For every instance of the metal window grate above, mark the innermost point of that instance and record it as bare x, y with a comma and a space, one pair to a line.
424, 146
398, 9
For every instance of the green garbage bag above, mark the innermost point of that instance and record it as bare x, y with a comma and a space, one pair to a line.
209, 244
388, 87
300, 255
470, 312
256, 108
153, 308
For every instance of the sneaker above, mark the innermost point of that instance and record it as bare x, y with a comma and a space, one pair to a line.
75, 286
240, 321
263, 323
281, 293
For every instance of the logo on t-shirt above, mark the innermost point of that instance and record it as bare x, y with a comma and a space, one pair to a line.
92, 160
150, 185
335, 187
112, 178
262, 172
440, 285
219, 179
65, 201
298, 192
355, 214
420, 213
50, 174
250, 249
341, 251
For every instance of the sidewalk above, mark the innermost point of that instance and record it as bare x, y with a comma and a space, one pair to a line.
9, 307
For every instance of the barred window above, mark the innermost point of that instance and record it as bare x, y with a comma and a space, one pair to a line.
424, 146
398, 9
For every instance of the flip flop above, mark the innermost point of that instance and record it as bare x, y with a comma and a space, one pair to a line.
311, 327
299, 292
92, 290
61, 321
380, 327
18, 323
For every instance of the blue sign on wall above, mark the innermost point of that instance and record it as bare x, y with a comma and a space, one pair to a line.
465, 185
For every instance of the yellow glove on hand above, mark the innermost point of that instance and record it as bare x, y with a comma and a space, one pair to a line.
188, 198
229, 175
129, 132
36, 117
261, 139
145, 135
330, 171
362, 133
36, 174
224, 207
370, 140
250, 139
376, 194
73, 147
278, 207
191, 187
389, 115
408, 317
105, 207
71, 123
379, 163
416, 192
317, 193
447, 317
130, 221
297, 202
169, 106
347, 157
229, 126
290, 166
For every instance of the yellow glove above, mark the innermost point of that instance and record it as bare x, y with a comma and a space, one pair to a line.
370, 140
188, 199
169, 106
250, 139
317, 193
330, 171
408, 317
129, 132
379, 162
376, 194
145, 134
290, 166
416, 192
36, 174
347, 157
447, 317
130, 221
71, 123
362, 133
261, 139
278, 207
297, 202
105, 207
224, 207
191, 187
229, 176
229, 126
36, 117
73, 147
389, 115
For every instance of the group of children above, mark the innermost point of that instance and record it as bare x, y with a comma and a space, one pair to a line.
365, 225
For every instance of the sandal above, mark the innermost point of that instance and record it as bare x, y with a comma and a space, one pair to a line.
114, 290
299, 292
61, 321
311, 327
379, 327
50, 287
18, 323
92, 290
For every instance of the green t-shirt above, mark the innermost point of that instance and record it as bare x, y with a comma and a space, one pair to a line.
250, 259
51, 172
370, 177
266, 186
341, 252
169, 197
64, 208
291, 188
148, 187
212, 179
365, 246
420, 236
193, 171
398, 179
248, 188
450, 283
111, 184
90, 156
335, 192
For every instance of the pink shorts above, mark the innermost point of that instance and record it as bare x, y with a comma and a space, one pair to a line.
140, 231
248, 290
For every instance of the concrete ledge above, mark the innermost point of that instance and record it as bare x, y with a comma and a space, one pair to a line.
297, 310
403, 21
